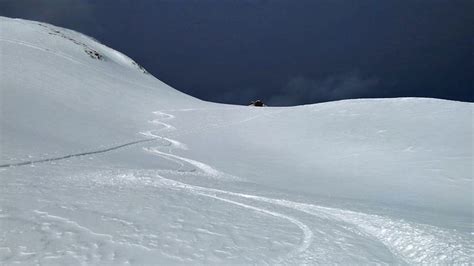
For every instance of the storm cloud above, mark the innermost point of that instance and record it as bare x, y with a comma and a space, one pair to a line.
301, 90
59, 11
284, 52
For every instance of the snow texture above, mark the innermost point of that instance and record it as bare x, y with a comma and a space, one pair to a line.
101, 163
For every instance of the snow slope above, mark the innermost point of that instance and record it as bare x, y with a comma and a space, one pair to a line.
101, 163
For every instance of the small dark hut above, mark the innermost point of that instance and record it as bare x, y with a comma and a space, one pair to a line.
257, 103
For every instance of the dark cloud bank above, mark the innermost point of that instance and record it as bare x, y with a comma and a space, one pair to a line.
285, 52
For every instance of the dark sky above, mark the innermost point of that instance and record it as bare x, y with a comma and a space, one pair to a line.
285, 52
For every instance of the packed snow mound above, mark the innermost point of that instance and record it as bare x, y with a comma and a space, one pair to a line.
101, 163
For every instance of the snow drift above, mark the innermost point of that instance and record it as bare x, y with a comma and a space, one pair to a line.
102, 163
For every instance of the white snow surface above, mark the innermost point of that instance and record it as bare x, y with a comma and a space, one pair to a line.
101, 163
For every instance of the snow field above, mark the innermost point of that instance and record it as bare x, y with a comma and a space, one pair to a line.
101, 163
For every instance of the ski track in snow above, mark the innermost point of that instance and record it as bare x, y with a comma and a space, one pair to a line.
307, 233
214, 173
76, 154
412, 243
151, 137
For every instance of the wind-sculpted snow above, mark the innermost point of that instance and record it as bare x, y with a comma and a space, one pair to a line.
103, 165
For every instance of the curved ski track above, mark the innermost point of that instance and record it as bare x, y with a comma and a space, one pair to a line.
214, 173
409, 242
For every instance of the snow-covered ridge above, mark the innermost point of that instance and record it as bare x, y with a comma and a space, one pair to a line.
101, 163
60, 38
60, 84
